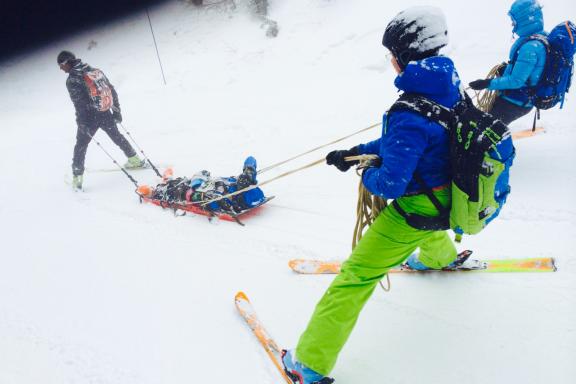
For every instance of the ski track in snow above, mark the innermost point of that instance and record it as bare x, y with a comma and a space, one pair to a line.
98, 288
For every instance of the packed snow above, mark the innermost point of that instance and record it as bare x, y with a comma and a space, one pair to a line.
98, 288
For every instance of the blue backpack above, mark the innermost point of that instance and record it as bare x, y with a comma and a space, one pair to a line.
556, 76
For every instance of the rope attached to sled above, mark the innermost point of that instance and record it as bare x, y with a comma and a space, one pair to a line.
206, 202
317, 148
203, 203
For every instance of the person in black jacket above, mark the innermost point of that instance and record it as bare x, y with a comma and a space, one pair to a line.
97, 106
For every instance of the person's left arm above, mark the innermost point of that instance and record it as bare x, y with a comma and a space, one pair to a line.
116, 111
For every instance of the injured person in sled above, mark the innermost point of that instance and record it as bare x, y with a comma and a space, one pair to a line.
206, 191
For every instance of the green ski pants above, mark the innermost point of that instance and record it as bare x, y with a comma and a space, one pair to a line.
386, 244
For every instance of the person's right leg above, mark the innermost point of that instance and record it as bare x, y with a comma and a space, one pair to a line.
387, 243
83, 137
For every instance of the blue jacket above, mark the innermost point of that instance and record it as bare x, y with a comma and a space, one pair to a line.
409, 141
527, 57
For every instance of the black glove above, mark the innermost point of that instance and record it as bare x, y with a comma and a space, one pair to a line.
336, 158
116, 115
478, 85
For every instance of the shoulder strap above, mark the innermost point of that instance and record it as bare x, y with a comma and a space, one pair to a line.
430, 194
434, 112
536, 37
541, 38
424, 107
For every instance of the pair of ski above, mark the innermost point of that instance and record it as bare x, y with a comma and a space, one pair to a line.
248, 313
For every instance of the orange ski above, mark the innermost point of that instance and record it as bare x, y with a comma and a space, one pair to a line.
246, 310
527, 133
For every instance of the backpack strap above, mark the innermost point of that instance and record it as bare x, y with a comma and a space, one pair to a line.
532, 88
536, 37
424, 223
443, 116
424, 107
542, 39
442, 209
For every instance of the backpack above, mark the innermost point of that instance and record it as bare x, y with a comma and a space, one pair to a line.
481, 154
173, 190
556, 76
99, 89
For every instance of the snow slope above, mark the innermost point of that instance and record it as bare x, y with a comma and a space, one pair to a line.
96, 288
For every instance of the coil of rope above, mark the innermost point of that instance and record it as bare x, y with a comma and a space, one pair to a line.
485, 98
368, 207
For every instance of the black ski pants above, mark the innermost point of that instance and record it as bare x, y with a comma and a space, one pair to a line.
506, 111
87, 129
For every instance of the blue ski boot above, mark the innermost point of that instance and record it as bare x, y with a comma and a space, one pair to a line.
248, 175
299, 373
249, 163
415, 264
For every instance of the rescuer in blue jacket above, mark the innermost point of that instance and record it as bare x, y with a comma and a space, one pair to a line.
523, 71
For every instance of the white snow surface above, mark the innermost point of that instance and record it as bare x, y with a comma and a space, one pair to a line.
97, 288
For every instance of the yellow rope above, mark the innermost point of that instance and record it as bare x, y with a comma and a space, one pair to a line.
485, 98
206, 202
265, 169
368, 208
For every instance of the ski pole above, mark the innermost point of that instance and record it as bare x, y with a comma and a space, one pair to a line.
156, 46
112, 158
140, 149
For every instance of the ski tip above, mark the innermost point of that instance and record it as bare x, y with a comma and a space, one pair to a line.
553, 264
241, 296
292, 263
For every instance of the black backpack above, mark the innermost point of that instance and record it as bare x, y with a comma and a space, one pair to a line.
478, 163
